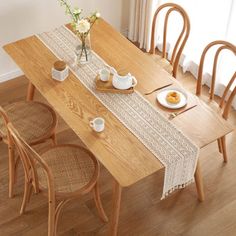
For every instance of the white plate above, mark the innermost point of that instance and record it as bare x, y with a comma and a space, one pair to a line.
161, 98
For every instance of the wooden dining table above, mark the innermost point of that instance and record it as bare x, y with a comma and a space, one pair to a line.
119, 151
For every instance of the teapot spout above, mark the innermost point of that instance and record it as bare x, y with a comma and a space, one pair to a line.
113, 70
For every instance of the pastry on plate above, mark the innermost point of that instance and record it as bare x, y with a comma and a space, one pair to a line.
173, 97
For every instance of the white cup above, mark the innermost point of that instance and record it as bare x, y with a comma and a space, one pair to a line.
104, 74
98, 124
60, 75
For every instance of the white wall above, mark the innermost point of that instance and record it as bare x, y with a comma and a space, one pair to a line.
22, 18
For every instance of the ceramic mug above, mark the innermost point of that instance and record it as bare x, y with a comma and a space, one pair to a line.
98, 124
60, 75
104, 74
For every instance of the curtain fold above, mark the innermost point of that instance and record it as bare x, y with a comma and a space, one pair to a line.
140, 22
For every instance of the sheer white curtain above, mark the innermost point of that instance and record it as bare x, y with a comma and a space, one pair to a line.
140, 22
210, 20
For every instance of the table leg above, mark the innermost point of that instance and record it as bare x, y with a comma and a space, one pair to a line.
116, 200
30, 92
223, 145
219, 145
199, 183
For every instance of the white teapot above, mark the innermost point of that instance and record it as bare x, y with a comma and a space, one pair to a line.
123, 82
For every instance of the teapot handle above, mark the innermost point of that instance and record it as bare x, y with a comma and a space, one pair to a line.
91, 123
134, 81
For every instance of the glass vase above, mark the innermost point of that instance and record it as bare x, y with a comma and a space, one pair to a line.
83, 51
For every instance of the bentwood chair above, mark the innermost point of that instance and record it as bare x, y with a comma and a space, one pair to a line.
228, 95
35, 121
170, 66
62, 173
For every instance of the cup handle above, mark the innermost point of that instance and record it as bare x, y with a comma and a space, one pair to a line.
134, 81
91, 123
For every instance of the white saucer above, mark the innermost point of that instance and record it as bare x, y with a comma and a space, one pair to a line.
161, 98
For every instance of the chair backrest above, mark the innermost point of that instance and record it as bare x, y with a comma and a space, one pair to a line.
183, 36
222, 45
29, 160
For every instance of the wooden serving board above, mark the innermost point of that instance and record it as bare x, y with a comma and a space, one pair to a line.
107, 86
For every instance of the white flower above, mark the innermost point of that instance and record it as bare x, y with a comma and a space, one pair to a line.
98, 14
77, 11
83, 26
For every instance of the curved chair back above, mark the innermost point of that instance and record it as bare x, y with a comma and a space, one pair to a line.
183, 36
222, 45
29, 160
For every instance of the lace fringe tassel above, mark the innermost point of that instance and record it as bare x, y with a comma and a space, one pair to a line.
166, 194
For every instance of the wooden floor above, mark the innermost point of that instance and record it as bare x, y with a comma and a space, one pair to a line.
142, 212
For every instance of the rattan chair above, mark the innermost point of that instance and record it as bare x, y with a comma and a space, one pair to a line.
62, 173
172, 65
35, 121
225, 101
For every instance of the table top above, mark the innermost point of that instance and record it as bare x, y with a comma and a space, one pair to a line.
124, 156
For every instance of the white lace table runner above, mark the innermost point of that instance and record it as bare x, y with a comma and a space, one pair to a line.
172, 148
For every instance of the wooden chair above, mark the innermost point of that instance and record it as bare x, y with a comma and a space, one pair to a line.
62, 173
35, 121
172, 65
225, 104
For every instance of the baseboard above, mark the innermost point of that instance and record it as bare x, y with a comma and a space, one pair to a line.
10, 75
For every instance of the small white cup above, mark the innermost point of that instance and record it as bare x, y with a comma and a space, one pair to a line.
98, 124
104, 74
60, 75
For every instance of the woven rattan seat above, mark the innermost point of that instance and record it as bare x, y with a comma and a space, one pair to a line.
72, 168
33, 120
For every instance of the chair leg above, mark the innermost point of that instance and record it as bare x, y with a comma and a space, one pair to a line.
51, 217
11, 160
97, 199
30, 193
219, 145
223, 143
27, 191
16, 168
57, 214
54, 139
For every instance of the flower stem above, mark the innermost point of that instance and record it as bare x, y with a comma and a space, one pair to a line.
69, 9
86, 55
84, 49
